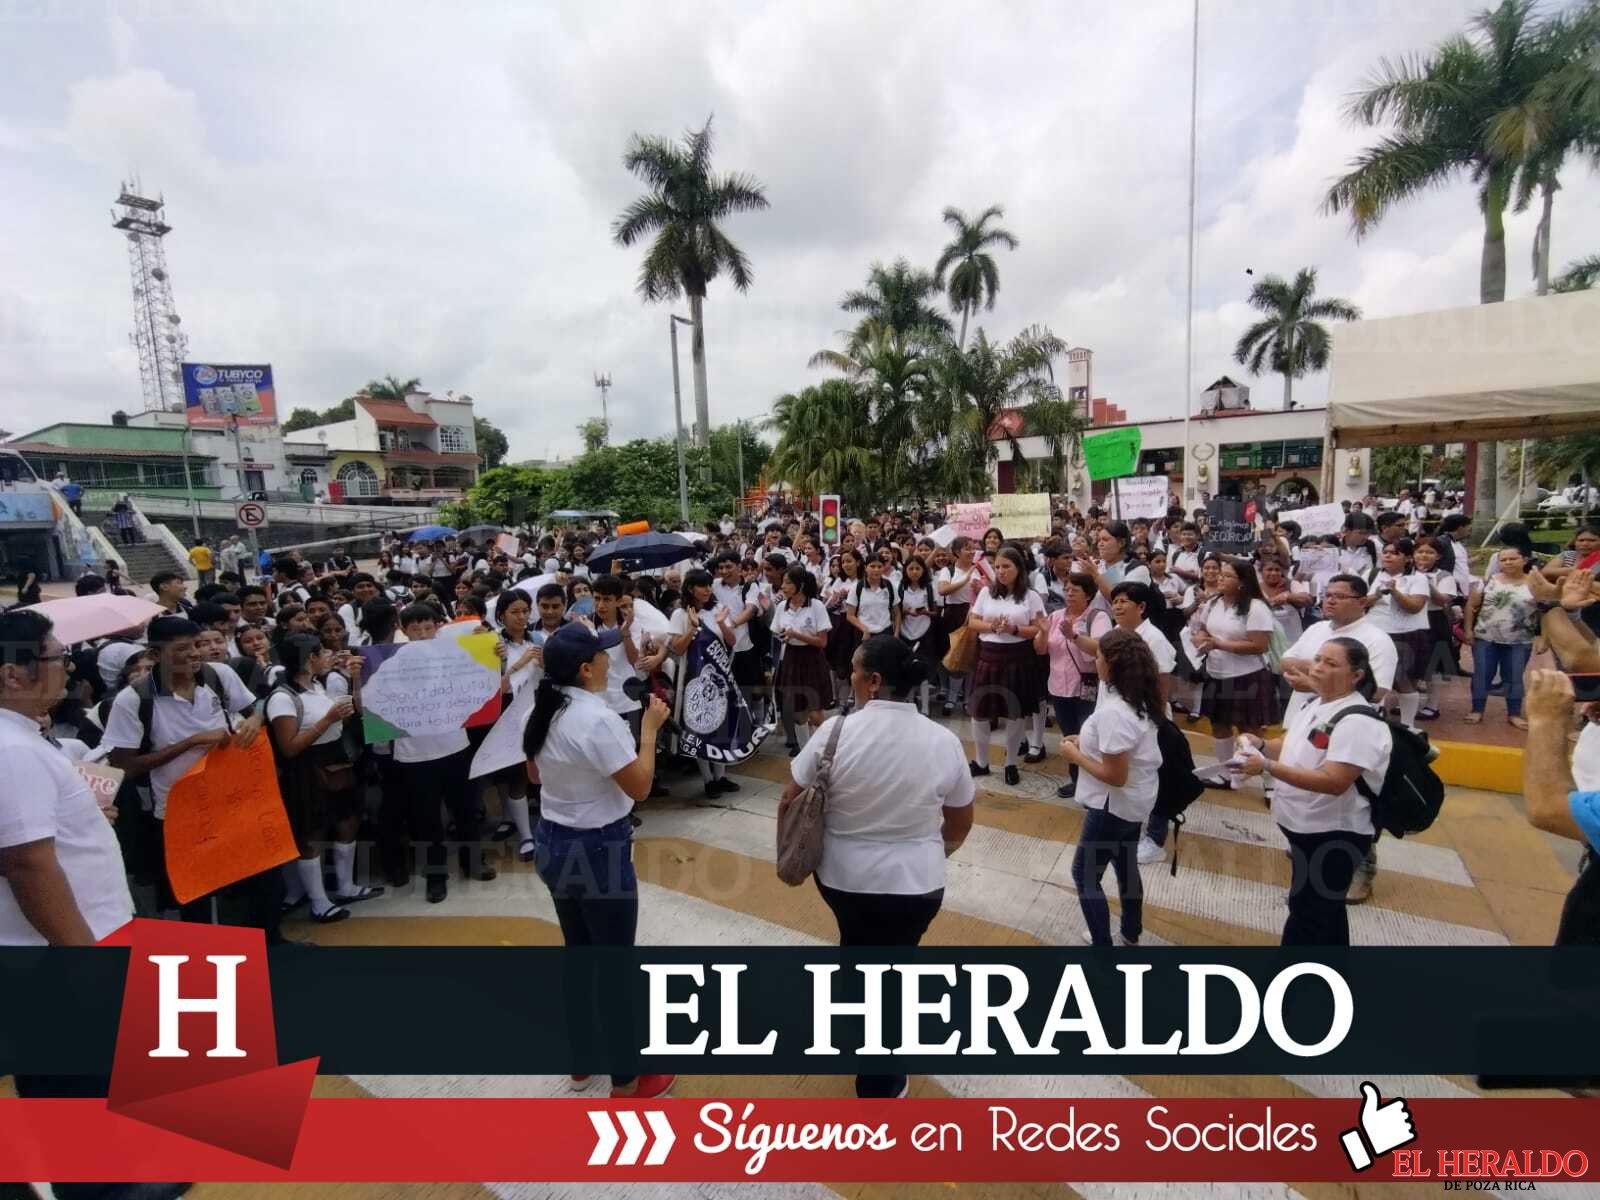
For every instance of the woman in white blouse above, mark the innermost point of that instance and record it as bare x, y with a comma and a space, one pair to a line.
899, 803
1118, 760
1443, 596
318, 779
1114, 545
1322, 762
800, 628
592, 776
1008, 680
917, 607
1232, 632
1397, 603
956, 586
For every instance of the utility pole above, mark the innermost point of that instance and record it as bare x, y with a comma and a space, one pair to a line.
238, 463
188, 486
738, 432
673, 321
602, 380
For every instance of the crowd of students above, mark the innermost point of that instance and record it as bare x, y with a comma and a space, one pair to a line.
1104, 629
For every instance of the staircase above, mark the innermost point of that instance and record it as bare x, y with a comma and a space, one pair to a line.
146, 558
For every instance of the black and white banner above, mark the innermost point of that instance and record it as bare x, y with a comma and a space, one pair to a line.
714, 722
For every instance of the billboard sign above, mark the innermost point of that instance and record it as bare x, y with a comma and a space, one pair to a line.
213, 392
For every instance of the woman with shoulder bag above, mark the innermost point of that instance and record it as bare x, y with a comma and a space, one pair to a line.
899, 802
307, 724
1069, 638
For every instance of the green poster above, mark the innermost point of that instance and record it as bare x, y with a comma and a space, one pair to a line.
1112, 455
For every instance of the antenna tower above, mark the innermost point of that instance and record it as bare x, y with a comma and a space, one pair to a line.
157, 333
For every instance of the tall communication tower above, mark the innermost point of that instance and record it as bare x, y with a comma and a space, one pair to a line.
157, 334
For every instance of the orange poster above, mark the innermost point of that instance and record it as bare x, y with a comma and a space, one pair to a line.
225, 821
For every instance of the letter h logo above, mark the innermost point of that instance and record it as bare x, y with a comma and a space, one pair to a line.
225, 1004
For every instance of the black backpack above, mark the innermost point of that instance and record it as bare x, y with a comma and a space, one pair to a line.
1412, 794
1177, 786
145, 690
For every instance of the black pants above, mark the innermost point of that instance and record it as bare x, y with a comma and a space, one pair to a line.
394, 822
870, 919
1322, 866
425, 784
1580, 915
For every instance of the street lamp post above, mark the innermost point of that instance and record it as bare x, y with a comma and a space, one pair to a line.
673, 321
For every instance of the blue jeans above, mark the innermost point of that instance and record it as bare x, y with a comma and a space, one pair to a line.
590, 876
1108, 840
1510, 659
1071, 713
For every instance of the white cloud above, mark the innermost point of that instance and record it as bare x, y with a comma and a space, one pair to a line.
359, 189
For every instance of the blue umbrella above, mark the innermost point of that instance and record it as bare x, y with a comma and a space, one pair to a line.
642, 551
431, 533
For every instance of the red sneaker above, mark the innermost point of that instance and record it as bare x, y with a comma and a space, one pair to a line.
646, 1087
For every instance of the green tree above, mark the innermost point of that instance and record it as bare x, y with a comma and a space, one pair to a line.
684, 202
983, 382
392, 388
1291, 336
1443, 108
820, 444
593, 433
1580, 275
727, 443
1395, 467
973, 278
506, 496
897, 297
492, 444
306, 418
893, 372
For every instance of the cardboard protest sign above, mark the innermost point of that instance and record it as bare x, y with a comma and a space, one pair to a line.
503, 747
225, 821
1113, 454
1143, 496
1228, 529
104, 781
427, 687
1021, 514
968, 520
1317, 521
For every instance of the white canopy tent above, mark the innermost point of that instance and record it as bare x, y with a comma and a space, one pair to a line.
1519, 369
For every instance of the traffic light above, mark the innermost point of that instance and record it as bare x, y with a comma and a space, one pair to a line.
828, 518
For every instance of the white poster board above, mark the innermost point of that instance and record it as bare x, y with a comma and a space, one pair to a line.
1319, 520
1141, 496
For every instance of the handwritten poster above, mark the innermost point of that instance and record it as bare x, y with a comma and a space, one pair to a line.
427, 687
225, 821
104, 781
1142, 496
1228, 529
507, 544
1020, 514
503, 747
969, 520
1113, 454
1319, 520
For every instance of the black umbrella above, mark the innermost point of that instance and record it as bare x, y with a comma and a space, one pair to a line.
642, 551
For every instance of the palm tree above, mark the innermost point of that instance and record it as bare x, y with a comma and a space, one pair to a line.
974, 278
391, 388
1443, 107
1290, 333
892, 372
1560, 117
1579, 276
820, 444
897, 297
684, 202
982, 382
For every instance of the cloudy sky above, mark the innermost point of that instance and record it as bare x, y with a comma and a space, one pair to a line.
364, 188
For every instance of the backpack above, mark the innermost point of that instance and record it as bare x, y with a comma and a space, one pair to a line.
333, 776
1177, 786
145, 691
1412, 794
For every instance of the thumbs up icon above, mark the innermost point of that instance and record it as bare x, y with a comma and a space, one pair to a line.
1382, 1128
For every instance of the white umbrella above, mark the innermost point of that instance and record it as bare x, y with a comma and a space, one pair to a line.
83, 618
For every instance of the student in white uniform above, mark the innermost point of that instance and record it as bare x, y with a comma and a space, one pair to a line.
1234, 629
1287, 598
1008, 681
802, 681
870, 606
1443, 596
592, 775
1343, 603
956, 586
1397, 603
899, 804
1319, 763
699, 607
915, 625
318, 779
1117, 759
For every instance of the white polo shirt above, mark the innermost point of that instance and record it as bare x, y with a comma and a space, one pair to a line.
874, 607
587, 744
1380, 652
1114, 728
810, 619
1356, 741
894, 773
734, 599
45, 797
171, 720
